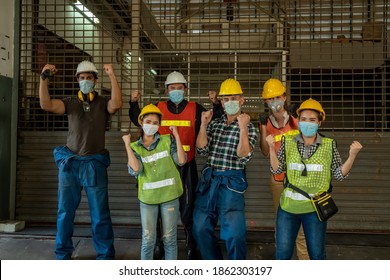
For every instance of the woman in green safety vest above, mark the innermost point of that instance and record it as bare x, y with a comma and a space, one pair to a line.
152, 159
309, 161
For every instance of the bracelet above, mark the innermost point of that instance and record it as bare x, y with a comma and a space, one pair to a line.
43, 76
46, 74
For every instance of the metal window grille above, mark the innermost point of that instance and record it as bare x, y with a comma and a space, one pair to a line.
333, 51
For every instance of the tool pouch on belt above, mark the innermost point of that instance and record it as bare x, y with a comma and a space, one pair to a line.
324, 205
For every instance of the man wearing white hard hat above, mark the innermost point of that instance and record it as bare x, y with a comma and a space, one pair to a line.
84, 160
186, 116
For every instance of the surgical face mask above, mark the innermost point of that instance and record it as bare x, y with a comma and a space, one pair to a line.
176, 96
150, 129
308, 129
232, 107
276, 105
87, 86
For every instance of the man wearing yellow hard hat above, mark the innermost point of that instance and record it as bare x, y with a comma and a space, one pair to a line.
228, 142
309, 160
278, 122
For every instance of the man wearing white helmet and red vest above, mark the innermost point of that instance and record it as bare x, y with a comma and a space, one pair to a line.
229, 143
186, 116
83, 162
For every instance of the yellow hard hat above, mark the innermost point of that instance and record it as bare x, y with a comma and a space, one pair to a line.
273, 88
230, 87
149, 109
311, 104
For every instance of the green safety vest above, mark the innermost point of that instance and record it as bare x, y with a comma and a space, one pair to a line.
160, 180
318, 175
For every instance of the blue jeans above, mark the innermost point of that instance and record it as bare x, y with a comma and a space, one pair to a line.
287, 227
71, 181
221, 196
169, 216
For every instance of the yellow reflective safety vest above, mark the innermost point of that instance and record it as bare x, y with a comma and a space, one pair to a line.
318, 177
160, 180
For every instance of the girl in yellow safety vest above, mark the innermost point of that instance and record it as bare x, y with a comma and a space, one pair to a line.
152, 159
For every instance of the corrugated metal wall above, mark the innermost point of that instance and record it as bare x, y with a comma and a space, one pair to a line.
331, 51
363, 198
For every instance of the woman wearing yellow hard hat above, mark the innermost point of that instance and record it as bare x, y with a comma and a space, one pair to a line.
310, 161
278, 122
152, 159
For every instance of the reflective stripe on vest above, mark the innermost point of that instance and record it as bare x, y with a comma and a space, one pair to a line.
186, 148
278, 138
158, 184
175, 123
155, 157
301, 167
295, 195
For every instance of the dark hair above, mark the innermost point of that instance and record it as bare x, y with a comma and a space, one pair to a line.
185, 86
93, 73
158, 115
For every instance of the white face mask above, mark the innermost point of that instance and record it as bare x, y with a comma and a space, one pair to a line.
232, 107
276, 105
150, 129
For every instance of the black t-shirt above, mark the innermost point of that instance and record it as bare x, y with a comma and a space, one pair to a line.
86, 135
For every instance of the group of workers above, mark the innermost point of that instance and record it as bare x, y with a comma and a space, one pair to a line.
163, 161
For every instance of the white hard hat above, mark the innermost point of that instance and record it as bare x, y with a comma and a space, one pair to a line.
86, 67
175, 78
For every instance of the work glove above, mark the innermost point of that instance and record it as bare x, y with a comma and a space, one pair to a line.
292, 109
263, 118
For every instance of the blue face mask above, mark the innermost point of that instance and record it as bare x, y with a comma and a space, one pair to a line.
308, 129
176, 96
232, 107
86, 86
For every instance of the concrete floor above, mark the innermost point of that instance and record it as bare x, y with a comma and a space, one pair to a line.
38, 243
